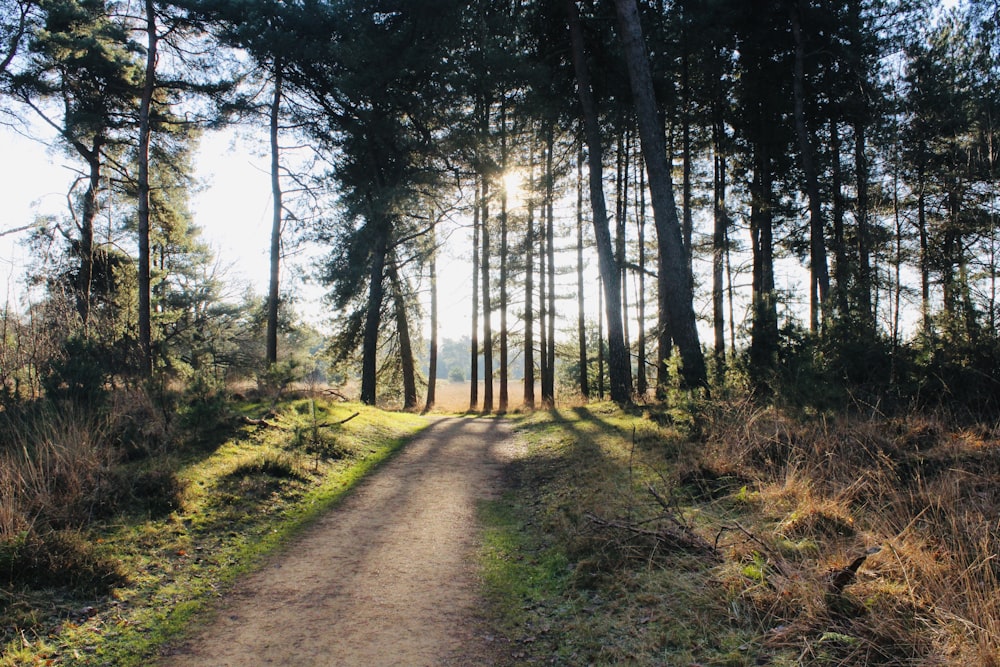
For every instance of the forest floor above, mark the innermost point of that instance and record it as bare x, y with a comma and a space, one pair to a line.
386, 578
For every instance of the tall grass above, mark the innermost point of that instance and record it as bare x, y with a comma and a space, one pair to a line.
921, 489
56, 468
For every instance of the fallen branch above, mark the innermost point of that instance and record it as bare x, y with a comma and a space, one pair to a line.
334, 392
675, 536
342, 421
260, 423
263, 423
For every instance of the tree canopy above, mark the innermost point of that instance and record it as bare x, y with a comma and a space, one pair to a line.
849, 143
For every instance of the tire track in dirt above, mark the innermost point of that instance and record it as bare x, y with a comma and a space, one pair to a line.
388, 577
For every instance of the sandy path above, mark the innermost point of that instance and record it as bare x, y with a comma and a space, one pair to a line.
386, 578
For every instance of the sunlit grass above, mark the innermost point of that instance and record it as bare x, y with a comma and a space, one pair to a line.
786, 503
242, 499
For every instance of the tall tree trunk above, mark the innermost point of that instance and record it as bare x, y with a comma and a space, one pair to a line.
719, 247
474, 365
624, 150
376, 294
687, 216
731, 299
504, 360
433, 354
581, 324
91, 203
925, 262
600, 339
764, 327
865, 283
549, 388
406, 361
543, 335
820, 275
484, 261
897, 262
672, 265
621, 389
145, 109
277, 211
529, 294
841, 267
641, 381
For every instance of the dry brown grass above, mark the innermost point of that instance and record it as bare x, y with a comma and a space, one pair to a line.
52, 469
827, 490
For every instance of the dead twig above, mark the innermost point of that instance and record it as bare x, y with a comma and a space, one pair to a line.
773, 558
337, 394
342, 421
671, 531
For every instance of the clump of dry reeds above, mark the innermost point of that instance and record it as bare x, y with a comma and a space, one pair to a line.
62, 467
55, 466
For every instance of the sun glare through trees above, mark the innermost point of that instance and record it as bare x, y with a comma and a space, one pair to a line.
751, 247
617, 198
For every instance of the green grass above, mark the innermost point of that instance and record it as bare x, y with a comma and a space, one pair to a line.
568, 593
731, 561
241, 500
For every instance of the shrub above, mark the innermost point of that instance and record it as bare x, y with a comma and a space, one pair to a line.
79, 373
63, 558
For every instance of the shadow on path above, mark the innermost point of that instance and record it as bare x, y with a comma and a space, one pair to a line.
386, 578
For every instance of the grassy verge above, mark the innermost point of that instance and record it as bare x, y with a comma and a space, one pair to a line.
767, 539
235, 500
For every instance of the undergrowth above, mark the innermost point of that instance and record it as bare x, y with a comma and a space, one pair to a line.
108, 546
754, 537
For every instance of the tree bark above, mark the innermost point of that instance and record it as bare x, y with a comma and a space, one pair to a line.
91, 204
925, 261
549, 388
474, 365
376, 294
504, 360
543, 336
841, 269
145, 107
484, 264
581, 324
865, 283
764, 326
621, 250
641, 380
621, 389
529, 294
672, 265
600, 340
406, 361
719, 247
433, 354
276, 215
687, 224
820, 279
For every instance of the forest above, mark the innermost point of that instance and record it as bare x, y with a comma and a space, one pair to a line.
693, 153
787, 206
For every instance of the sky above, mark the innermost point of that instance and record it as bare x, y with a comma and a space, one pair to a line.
232, 209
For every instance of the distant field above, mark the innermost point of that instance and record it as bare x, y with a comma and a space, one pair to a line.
450, 396
454, 396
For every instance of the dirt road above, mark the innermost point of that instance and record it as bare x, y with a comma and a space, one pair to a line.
386, 578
